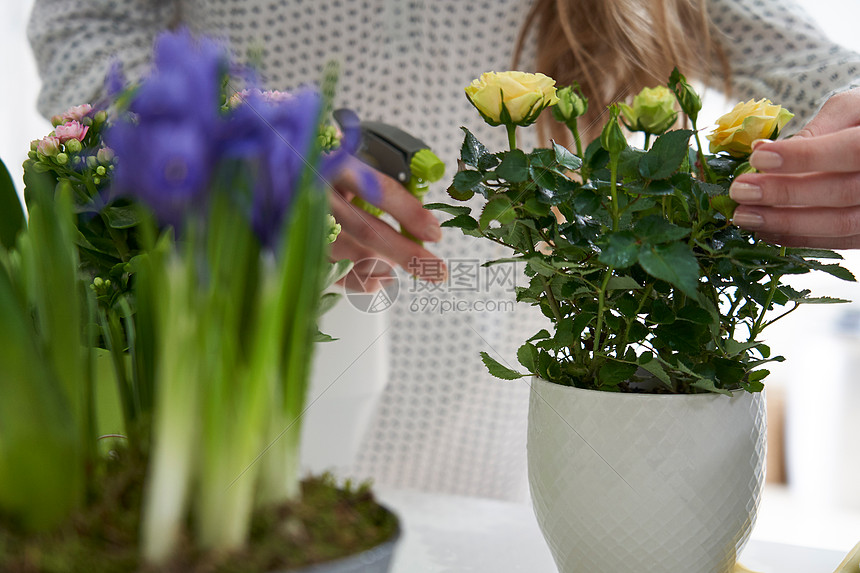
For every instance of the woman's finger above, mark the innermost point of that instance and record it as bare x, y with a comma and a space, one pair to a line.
817, 189
838, 151
379, 237
799, 221
392, 198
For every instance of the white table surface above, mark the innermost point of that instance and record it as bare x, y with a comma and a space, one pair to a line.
446, 533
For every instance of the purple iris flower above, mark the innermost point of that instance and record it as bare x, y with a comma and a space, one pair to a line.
167, 150
274, 139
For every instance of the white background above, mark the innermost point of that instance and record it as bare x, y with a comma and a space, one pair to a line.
822, 507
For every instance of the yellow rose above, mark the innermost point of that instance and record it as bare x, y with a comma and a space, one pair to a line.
747, 122
653, 110
511, 98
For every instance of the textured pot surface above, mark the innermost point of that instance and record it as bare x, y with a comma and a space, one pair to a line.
645, 483
375, 560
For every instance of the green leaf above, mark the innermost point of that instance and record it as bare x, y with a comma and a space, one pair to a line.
622, 283
499, 209
464, 222
621, 250
658, 188
613, 373
565, 158
666, 155
544, 178
467, 180
813, 253
655, 229
540, 266
474, 153
528, 357
498, 370
656, 369
709, 385
514, 167
122, 217
541, 334
835, 270
451, 209
11, 213
674, 263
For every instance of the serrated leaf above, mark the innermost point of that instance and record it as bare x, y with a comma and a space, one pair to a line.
656, 188
673, 263
474, 153
656, 369
540, 266
666, 155
498, 209
622, 283
498, 370
835, 270
514, 167
464, 222
467, 180
708, 385
620, 250
613, 373
528, 357
451, 209
565, 158
544, 178
655, 229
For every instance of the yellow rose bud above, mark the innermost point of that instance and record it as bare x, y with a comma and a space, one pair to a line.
747, 122
511, 98
653, 110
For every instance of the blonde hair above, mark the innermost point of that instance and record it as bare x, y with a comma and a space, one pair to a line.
614, 48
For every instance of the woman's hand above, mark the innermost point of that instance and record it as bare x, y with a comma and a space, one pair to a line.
365, 238
807, 191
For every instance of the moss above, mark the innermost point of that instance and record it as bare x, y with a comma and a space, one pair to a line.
328, 522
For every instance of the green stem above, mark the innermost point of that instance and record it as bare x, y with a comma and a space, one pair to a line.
613, 191
709, 176
774, 282
623, 344
601, 307
512, 135
574, 129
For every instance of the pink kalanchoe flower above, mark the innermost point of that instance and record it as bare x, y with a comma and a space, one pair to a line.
76, 113
71, 130
48, 145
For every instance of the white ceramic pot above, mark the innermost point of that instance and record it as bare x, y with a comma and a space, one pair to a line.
645, 483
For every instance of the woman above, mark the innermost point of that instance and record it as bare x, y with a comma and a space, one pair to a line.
444, 424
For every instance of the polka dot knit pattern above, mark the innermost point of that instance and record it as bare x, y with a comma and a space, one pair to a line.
443, 423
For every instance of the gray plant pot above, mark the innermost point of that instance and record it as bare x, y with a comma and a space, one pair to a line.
375, 560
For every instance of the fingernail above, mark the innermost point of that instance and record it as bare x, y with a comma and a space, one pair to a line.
764, 160
745, 192
748, 219
433, 232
